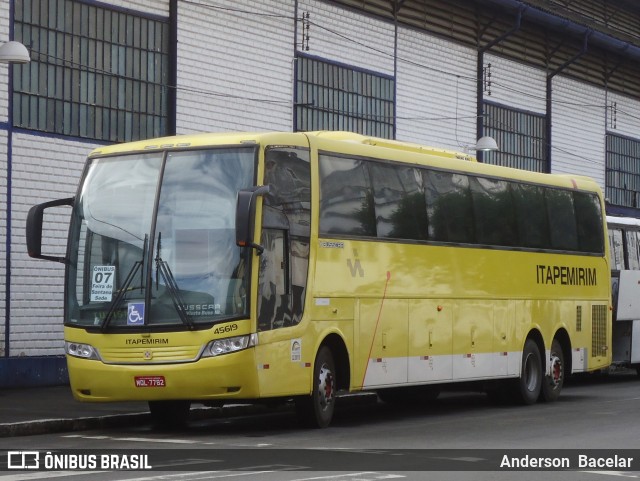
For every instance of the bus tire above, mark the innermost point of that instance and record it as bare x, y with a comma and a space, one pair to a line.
527, 387
317, 409
552, 384
169, 414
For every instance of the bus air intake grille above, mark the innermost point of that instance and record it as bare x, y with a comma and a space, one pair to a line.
579, 319
599, 331
150, 355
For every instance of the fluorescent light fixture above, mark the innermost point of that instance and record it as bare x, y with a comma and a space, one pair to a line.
14, 52
486, 144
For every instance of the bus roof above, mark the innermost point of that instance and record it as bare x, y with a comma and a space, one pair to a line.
355, 144
623, 221
221, 138
391, 144
194, 140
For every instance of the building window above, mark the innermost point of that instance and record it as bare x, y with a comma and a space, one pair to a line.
95, 72
337, 97
521, 137
623, 171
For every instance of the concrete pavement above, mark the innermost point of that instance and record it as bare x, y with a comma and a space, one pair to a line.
39, 410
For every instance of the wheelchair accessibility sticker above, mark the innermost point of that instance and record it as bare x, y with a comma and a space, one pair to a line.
135, 314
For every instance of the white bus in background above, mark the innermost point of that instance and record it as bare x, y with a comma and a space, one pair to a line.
624, 241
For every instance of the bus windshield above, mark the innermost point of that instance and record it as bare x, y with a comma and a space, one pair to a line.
152, 240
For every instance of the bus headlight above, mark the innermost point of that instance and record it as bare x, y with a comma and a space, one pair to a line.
85, 351
230, 344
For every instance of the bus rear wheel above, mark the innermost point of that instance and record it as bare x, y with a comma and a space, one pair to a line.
553, 382
169, 414
527, 387
317, 409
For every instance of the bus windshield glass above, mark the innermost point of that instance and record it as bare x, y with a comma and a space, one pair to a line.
153, 240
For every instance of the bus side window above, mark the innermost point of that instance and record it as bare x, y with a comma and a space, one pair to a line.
401, 212
493, 212
449, 207
346, 199
273, 302
562, 220
589, 222
616, 248
286, 222
531, 218
633, 246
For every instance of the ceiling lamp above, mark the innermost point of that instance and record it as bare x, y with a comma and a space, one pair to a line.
486, 144
14, 52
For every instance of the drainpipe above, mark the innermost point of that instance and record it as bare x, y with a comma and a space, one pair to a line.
172, 90
7, 285
549, 96
396, 8
479, 69
294, 76
7, 267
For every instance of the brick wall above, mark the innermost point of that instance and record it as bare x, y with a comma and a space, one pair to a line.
3, 231
4, 69
436, 91
341, 35
44, 168
516, 85
578, 129
235, 65
627, 116
235, 72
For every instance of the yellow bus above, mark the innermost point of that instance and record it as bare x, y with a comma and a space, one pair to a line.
234, 267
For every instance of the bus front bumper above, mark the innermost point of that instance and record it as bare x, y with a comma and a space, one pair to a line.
230, 376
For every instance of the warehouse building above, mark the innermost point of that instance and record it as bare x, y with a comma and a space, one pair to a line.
555, 82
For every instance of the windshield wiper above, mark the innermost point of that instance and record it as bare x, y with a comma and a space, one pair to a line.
172, 287
137, 266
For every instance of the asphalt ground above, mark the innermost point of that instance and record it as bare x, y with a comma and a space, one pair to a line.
41, 410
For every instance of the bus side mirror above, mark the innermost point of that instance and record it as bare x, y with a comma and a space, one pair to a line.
34, 228
245, 216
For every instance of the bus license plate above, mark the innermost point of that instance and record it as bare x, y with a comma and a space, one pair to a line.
150, 381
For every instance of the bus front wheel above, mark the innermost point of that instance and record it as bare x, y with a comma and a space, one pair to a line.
553, 382
317, 409
528, 385
169, 414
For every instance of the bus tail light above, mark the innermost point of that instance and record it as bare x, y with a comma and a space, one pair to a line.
230, 344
